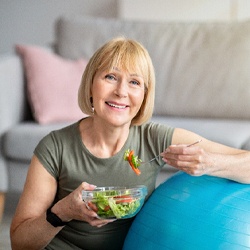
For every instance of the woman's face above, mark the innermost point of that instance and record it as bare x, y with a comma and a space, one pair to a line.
117, 95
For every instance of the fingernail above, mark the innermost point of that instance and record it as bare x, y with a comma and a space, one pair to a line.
167, 150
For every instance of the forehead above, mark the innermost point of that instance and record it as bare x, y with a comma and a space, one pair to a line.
131, 72
133, 68
129, 59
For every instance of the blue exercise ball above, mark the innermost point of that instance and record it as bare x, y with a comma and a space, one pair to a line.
194, 213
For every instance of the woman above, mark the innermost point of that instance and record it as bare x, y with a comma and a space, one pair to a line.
117, 91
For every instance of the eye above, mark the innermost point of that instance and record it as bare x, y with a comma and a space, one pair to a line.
110, 77
135, 83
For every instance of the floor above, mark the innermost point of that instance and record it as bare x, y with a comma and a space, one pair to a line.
10, 205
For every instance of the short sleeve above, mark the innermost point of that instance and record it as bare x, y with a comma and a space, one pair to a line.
48, 154
159, 136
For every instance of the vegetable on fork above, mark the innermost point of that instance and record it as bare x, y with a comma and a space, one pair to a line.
133, 161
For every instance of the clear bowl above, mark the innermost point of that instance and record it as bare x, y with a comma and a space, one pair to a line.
115, 202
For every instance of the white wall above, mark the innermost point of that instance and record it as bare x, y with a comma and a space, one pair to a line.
31, 21
184, 10
243, 9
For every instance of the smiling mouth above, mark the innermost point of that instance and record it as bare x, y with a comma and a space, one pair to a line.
116, 106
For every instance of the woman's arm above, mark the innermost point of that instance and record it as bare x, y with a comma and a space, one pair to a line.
207, 157
29, 228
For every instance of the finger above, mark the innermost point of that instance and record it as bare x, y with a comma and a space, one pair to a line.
90, 213
92, 206
90, 210
181, 149
100, 223
103, 223
91, 219
189, 165
180, 161
182, 158
196, 170
87, 186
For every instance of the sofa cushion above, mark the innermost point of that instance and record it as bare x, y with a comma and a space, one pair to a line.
52, 84
202, 69
20, 141
233, 133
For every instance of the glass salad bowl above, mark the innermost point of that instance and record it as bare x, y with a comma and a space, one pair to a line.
115, 202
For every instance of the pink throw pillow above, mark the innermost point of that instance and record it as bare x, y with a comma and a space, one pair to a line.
52, 84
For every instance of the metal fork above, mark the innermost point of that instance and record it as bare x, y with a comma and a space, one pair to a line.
142, 163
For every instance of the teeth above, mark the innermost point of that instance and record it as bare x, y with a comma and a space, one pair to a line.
116, 106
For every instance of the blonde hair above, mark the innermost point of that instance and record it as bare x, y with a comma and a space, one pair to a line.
128, 55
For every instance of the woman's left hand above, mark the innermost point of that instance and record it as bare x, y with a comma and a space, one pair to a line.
207, 157
192, 160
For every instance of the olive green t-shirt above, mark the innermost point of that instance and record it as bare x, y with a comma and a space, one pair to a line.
66, 158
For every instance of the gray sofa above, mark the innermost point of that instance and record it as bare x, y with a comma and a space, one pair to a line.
203, 83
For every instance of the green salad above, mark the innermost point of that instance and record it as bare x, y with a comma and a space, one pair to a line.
113, 205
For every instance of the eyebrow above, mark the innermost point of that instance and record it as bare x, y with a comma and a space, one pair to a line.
133, 74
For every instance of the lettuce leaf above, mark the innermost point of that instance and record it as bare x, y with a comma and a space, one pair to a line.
108, 207
123, 210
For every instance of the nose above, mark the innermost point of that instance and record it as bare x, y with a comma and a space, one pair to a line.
121, 89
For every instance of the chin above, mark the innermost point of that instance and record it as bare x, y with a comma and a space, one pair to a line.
118, 123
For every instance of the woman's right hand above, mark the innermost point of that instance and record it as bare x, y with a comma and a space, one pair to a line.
29, 228
73, 207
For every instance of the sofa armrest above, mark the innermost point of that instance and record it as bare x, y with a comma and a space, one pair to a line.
13, 104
